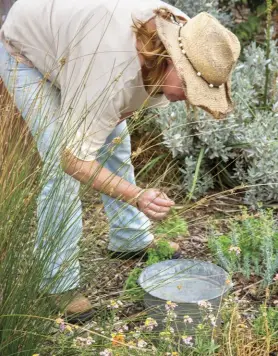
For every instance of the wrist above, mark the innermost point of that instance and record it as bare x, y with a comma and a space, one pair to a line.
137, 197
130, 194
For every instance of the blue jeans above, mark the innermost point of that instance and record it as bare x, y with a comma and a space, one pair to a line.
59, 210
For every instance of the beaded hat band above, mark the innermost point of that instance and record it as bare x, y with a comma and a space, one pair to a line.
204, 54
199, 74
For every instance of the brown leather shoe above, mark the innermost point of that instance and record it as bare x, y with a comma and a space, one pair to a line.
78, 305
75, 306
174, 246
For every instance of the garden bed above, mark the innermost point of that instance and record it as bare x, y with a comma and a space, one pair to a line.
248, 293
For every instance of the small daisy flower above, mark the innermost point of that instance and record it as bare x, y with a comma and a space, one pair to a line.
171, 316
235, 249
106, 352
150, 323
89, 341
187, 340
115, 304
172, 331
141, 343
187, 319
170, 305
83, 341
212, 319
204, 304
120, 328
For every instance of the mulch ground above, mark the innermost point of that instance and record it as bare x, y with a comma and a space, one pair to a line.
103, 278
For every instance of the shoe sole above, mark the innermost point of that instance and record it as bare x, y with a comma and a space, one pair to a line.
80, 318
125, 256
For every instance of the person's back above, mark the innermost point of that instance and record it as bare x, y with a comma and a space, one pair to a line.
47, 31
88, 49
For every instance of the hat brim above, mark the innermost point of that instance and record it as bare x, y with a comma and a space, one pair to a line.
216, 101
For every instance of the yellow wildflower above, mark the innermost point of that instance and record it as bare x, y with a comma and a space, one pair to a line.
68, 328
59, 321
137, 152
118, 339
117, 140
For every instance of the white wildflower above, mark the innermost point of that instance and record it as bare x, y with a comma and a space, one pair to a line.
170, 305
204, 304
150, 323
187, 340
141, 343
187, 319
106, 352
235, 249
115, 304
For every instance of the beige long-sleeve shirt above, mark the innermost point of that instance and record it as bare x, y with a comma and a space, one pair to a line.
88, 48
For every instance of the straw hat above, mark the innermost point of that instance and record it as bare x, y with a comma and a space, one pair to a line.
204, 53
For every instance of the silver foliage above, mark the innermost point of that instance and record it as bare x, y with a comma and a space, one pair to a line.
246, 142
193, 7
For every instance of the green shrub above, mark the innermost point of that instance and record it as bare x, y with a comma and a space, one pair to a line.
266, 324
172, 227
240, 150
163, 251
131, 288
249, 247
252, 26
192, 7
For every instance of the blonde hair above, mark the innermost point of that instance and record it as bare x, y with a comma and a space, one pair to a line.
153, 52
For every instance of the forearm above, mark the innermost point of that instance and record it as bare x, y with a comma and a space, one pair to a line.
100, 178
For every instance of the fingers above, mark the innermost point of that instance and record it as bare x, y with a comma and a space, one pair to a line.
155, 204
163, 202
154, 215
155, 208
160, 198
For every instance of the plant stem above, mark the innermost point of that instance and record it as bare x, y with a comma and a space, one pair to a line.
268, 11
196, 174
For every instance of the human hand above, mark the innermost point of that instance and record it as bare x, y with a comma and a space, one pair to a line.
154, 204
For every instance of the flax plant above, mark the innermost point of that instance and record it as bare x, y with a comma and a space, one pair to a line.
27, 286
24, 260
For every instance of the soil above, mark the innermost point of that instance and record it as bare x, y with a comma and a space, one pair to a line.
103, 278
